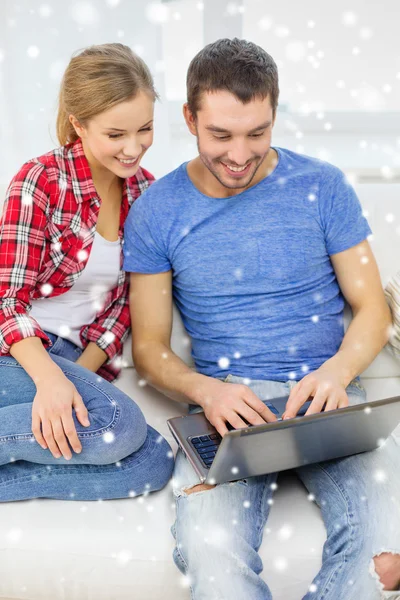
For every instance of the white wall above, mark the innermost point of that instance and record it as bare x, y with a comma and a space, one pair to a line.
356, 124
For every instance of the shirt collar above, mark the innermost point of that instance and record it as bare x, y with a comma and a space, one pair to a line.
82, 181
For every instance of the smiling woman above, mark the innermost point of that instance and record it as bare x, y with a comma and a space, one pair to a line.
64, 297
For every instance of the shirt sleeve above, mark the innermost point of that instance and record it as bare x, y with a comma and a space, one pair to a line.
144, 250
110, 329
341, 214
22, 245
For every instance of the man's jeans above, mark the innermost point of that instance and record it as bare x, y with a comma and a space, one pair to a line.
121, 455
218, 531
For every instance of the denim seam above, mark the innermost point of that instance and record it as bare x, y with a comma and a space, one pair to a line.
263, 520
335, 572
62, 469
178, 499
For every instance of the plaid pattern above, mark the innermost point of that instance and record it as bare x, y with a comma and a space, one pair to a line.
46, 234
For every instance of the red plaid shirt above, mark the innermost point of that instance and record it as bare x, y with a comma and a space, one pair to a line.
49, 216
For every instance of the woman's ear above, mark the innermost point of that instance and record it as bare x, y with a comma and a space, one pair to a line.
189, 118
80, 130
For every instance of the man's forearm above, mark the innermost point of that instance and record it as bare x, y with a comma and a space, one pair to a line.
165, 371
367, 334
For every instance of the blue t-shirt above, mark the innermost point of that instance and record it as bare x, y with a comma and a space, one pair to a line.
252, 277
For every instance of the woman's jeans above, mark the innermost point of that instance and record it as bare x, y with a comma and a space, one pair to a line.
218, 531
121, 455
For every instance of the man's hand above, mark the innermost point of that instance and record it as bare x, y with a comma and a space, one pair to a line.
231, 403
324, 386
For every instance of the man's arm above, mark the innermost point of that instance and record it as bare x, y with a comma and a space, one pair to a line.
359, 280
150, 301
151, 317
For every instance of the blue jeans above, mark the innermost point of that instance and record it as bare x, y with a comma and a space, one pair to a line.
218, 531
131, 459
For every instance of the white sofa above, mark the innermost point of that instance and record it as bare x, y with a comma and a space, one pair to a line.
121, 549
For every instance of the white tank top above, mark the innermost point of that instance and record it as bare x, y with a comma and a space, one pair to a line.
66, 314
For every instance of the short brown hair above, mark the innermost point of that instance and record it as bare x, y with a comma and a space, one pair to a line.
237, 66
96, 79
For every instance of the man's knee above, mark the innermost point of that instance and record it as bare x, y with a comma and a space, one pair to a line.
199, 488
387, 567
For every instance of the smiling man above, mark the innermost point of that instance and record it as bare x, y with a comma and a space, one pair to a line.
259, 247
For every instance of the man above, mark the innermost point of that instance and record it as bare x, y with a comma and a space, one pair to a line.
258, 245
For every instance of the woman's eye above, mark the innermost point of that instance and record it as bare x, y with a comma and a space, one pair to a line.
114, 136
147, 129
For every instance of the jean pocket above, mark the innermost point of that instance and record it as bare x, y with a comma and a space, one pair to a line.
358, 385
356, 392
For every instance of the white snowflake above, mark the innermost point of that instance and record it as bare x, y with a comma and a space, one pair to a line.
224, 362
64, 330
109, 337
33, 51
124, 556
349, 18
45, 10
156, 12
285, 532
295, 51
366, 33
27, 199
84, 13
82, 255
46, 289
108, 437
280, 564
380, 476
282, 31
265, 23
14, 535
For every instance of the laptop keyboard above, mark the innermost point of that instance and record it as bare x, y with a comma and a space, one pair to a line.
206, 446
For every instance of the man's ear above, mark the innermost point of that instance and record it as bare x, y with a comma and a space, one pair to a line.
80, 130
190, 119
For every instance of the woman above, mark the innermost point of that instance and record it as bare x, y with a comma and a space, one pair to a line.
64, 306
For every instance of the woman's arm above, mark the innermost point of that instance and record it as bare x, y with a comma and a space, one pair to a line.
92, 357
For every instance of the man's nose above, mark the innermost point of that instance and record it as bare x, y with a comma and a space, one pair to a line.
239, 154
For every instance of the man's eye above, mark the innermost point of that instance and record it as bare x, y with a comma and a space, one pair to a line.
225, 137
257, 134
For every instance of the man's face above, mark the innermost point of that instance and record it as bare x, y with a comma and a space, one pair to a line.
233, 138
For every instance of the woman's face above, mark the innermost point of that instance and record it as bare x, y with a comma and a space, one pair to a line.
116, 139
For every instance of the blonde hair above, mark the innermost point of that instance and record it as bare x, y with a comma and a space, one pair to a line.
97, 79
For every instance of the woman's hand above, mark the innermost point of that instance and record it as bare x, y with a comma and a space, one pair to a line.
52, 422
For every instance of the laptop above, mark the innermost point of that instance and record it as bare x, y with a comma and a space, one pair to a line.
284, 444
